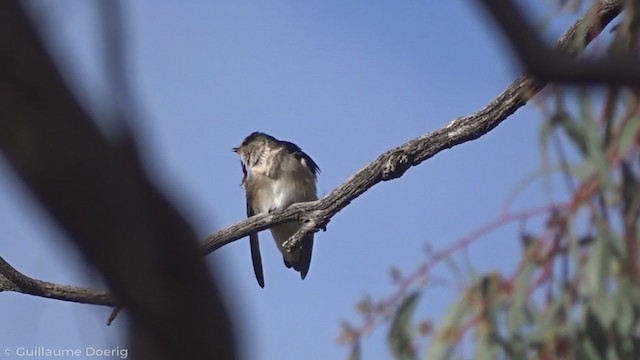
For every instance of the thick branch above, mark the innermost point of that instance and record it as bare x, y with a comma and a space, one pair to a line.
394, 163
560, 65
100, 195
12, 280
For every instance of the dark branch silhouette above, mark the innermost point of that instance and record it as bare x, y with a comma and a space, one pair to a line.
100, 196
560, 65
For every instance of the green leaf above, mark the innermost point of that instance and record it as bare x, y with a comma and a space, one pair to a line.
587, 350
355, 353
595, 147
583, 170
609, 111
628, 134
624, 326
604, 309
596, 334
548, 128
598, 156
486, 349
575, 131
629, 298
401, 336
518, 314
449, 332
551, 322
598, 268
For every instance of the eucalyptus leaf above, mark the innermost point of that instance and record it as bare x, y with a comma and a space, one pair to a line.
628, 134
449, 333
597, 268
355, 353
517, 314
401, 335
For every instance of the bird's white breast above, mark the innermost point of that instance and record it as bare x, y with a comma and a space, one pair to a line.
275, 194
278, 184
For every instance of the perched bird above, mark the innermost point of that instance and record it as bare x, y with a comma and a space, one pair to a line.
277, 174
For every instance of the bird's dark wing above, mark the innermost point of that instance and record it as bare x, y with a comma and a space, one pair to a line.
296, 151
244, 178
255, 251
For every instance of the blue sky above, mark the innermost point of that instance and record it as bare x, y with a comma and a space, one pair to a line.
346, 82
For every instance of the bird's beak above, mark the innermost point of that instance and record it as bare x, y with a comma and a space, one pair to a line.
235, 150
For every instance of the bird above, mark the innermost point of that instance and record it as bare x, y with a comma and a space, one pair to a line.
276, 174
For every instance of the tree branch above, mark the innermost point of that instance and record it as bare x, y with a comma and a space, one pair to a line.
559, 64
394, 163
12, 280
